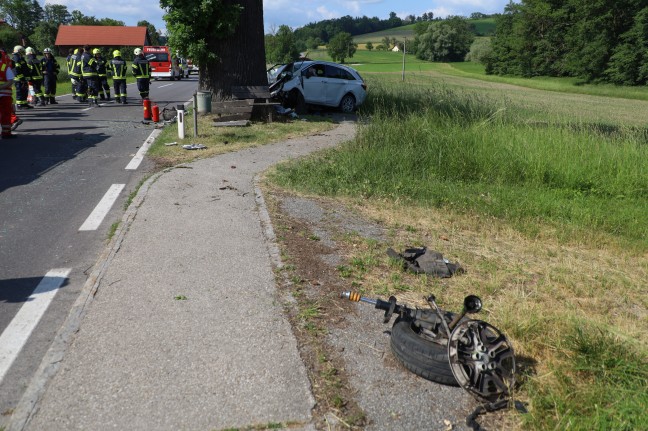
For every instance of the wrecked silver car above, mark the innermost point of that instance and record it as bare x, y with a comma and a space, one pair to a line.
300, 84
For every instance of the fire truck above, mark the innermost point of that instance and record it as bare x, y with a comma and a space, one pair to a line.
163, 64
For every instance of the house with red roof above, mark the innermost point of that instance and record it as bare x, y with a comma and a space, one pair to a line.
74, 36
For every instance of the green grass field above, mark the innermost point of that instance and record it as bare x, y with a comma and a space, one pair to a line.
540, 187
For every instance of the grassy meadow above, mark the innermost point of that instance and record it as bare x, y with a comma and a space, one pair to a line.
538, 187
540, 192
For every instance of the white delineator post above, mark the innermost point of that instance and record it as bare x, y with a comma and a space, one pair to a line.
180, 109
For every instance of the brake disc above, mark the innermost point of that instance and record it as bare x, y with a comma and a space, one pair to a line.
482, 360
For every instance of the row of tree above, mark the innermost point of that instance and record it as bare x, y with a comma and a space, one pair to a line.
596, 40
322, 31
447, 39
31, 24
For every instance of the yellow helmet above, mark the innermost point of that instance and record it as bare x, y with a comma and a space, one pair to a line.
137, 51
116, 53
76, 51
30, 50
96, 51
18, 48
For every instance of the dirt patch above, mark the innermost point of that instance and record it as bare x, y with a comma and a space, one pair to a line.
357, 382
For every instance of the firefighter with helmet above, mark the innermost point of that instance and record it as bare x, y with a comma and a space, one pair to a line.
51, 70
21, 78
36, 72
102, 75
89, 74
118, 71
71, 63
142, 72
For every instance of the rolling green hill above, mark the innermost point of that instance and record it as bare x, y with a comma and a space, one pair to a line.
483, 27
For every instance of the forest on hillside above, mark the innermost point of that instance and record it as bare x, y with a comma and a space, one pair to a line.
596, 40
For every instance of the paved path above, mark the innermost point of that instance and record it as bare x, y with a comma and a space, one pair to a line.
180, 325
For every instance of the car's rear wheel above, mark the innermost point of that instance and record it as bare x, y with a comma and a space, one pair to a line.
348, 103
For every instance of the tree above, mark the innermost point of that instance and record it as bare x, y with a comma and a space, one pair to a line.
313, 42
56, 14
44, 35
480, 51
341, 46
9, 37
78, 18
224, 37
369, 46
152, 31
23, 15
386, 41
447, 40
281, 47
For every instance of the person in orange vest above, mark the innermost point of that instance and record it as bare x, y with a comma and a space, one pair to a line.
6, 97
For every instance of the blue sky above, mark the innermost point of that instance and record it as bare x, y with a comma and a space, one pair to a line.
294, 13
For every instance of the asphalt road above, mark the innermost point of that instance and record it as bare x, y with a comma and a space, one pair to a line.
63, 182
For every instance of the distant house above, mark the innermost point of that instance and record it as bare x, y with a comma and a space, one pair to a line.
74, 36
395, 48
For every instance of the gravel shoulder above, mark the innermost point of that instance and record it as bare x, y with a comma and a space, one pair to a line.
348, 341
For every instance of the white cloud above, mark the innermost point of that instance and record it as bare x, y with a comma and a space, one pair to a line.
327, 14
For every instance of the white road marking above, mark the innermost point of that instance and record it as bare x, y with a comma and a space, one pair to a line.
16, 334
97, 215
139, 156
165, 85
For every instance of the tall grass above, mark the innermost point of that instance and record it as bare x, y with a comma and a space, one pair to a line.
439, 147
433, 147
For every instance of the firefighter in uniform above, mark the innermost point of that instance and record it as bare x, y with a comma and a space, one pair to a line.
102, 78
21, 78
142, 72
81, 86
89, 74
74, 76
36, 72
51, 70
118, 69
6, 97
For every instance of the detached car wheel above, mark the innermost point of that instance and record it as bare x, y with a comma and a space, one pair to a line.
348, 104
422, 357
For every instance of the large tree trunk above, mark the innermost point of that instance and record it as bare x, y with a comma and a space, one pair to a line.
241, 56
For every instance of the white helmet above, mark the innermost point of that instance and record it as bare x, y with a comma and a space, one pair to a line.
137, 51
47, 51
18, 48
29, 50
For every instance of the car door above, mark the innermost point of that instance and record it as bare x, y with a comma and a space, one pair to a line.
314, 84
336, 86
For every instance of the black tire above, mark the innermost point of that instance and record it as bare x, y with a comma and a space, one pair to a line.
348, 104
424, 358
300, 104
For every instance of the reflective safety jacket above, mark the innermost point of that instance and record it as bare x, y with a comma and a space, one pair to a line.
118, 67
35, 68
5, 64
21, 69
74, 69
101, 66
88, 65
141, 67
76, 66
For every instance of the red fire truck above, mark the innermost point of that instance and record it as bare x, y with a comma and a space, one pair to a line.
163, 64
